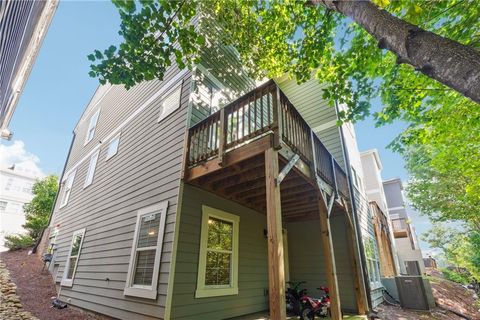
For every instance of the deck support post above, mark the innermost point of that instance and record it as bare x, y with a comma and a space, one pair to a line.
357, 282
276, 271
330, 267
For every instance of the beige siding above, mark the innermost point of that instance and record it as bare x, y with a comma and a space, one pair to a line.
252, 280
145, 171
320, 116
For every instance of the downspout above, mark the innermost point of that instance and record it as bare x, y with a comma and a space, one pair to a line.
363, 261
34, 250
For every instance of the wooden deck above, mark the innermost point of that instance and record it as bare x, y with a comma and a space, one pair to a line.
258, 151
225, 155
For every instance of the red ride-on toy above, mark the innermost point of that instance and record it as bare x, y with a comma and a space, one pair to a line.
312, 307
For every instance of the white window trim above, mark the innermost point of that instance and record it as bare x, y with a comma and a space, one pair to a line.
147, 292
65, 185
69, 282
108, 147
167, 94
90, 125
92, 166
204, 291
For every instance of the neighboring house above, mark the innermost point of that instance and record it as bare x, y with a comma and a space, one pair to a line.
372, 167
15, 191
406, 242
198, 196
23, 25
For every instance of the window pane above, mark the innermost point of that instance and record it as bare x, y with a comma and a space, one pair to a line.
144, 267
71, 267
91, 168
76, 245
218, 268
148, 233
113, 147
220, 234
171, 102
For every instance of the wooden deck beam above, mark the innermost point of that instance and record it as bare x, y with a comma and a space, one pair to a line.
276, 271
249, 150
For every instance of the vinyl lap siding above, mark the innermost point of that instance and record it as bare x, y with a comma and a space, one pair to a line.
145, 171
252, 275
307, 99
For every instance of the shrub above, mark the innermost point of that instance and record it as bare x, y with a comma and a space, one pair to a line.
455, 276
18, 241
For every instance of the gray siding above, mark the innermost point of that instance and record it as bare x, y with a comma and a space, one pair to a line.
18, 23
145, 171
222, 73
252, 274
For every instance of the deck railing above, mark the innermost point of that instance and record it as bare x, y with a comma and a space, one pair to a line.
262, 111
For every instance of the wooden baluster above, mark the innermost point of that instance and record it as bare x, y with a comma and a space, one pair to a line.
269, 115
231, 125
262, 125
237, 124
255, 113
223, 136
277, 113
250, 116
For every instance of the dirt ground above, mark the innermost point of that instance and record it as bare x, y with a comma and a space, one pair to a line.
448, 296
35, 288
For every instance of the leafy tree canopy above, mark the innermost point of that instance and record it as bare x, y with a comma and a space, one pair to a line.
442, 155
38, 210
295, 37
461, 249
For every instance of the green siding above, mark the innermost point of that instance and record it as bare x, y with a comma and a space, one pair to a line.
252, 275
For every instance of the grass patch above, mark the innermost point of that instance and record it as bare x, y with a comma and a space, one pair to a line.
455, 276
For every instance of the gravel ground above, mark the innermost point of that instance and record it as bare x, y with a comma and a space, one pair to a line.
448, 296
35, 289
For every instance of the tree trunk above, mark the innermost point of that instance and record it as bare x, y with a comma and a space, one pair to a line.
449, 62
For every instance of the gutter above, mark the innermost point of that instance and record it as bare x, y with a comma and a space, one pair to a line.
34, 249
361, 248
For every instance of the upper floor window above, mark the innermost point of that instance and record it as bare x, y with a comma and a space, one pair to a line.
91, 169
113, 147
73, 256
170, 103
218, 259
67, 189
3, 206
142, 278
91, 127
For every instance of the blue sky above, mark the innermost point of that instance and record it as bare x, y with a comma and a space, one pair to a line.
59, 88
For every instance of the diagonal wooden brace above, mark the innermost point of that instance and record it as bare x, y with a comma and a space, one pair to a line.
287, 168
330, 204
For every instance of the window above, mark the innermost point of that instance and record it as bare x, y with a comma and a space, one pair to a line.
373, 264
170, 103
3, 206
218, 261
142, 278
91, 127
113, 147
67, 189
355, 178
9, 183
73, 256
91, 169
